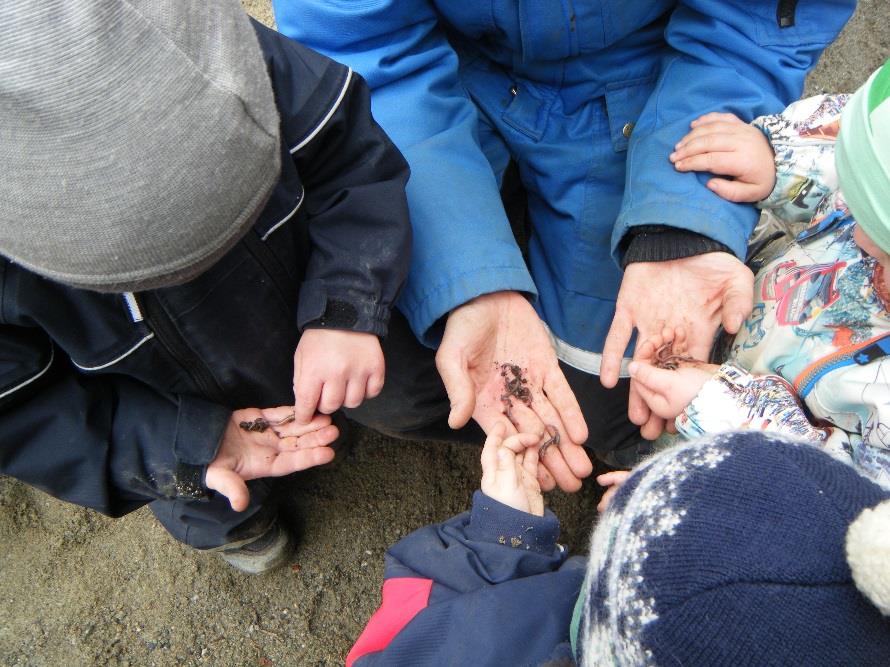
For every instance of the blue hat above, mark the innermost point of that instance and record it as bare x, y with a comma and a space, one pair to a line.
731, 551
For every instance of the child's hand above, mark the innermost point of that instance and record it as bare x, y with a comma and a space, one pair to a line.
333, 369
667, 392
723, 144
613, 480
509, 470
279, 450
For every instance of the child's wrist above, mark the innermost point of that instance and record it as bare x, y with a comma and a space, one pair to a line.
493, 521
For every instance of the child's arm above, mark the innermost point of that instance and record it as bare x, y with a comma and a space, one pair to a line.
803, 139
707, 399
358, 230
113, 444
488, 586
784, 162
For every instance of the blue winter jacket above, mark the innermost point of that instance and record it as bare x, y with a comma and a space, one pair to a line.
624, 77
488, 587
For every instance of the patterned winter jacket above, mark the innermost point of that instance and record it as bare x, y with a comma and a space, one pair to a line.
813, 358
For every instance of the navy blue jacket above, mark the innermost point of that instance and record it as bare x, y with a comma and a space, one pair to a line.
112, 400
488, 587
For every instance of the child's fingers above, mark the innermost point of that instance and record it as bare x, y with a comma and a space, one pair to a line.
717, 127
676, 336
287, 462
374, 385
715, 116
507, 475
725, 164
306, 394
332, 394
716, 142
355, 392
654, 385
603, 504
653, 427
649, 346
613, 477
318, 438
530, 462
489, 457
519, 442
545, 479
650, 377
292, 428
657, 403
735, 191
637, 410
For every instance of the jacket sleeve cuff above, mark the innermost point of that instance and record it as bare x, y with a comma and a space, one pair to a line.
735, 399
200, 426
492, 521
658, 243
320, 308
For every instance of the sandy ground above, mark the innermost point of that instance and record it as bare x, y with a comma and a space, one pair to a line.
80, 589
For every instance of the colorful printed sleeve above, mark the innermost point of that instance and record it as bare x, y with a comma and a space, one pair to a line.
855, 399
803, 138
734, 399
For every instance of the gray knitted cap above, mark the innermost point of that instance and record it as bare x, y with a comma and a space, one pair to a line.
138, 139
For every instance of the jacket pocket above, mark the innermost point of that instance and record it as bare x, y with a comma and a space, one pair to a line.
624, 104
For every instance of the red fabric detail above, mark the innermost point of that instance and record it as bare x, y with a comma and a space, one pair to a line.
402, 599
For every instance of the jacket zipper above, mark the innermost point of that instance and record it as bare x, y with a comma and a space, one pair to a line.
165, 331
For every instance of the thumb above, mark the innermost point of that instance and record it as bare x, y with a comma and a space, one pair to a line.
734, 190
228, 483
507, 468
459, 387
652, 378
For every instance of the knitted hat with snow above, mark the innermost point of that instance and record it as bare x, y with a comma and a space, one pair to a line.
138, 139
862, 156
731, 551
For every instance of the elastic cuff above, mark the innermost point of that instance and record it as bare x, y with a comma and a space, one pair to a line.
318, 309
657, 243
492, 521
200, 426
